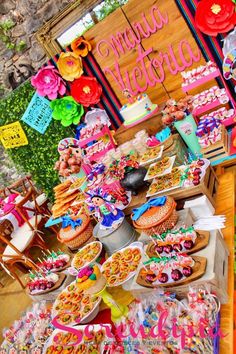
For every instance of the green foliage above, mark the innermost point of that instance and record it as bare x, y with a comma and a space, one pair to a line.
108, 6
5, 36
39, 156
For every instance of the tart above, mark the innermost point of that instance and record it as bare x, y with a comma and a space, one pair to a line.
121, 265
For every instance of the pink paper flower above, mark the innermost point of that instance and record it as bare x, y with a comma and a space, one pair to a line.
48, 82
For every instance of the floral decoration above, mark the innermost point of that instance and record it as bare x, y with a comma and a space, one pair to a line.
86, 90
215, 16
48, 82
70, 66
86, 273
119, 168
81, 47
66, 110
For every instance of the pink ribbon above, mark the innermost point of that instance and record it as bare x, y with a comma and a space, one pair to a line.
9, 207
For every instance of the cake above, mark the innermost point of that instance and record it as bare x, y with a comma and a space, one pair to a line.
136, 111
90, 280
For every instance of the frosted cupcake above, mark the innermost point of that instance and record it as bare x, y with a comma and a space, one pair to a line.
90, 280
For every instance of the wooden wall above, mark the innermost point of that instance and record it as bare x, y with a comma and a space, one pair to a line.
164, 45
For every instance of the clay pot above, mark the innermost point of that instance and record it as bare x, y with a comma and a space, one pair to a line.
134, 180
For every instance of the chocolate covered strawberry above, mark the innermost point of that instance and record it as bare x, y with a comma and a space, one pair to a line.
187, 271
163, 278
176, 274
188, 244
167, 248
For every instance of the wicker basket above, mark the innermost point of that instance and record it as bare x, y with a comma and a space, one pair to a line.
76, 237
158, 219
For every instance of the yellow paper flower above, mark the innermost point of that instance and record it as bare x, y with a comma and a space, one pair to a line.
70, 66
81, 47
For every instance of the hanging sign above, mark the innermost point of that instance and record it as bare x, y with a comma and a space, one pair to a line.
12, 135
38, 114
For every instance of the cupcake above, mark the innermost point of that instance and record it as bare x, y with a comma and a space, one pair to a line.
90, 280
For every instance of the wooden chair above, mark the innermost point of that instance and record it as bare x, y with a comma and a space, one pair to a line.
10, 262
23, 239
22, 187
29, 203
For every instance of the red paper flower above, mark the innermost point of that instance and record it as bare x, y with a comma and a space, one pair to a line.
86, 90
215, 16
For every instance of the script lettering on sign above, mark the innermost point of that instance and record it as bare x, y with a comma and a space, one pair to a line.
149, 71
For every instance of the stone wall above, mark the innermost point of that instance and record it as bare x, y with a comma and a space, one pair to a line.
28, 16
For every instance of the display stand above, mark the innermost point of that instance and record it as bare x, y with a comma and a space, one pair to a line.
201, 110
85, 143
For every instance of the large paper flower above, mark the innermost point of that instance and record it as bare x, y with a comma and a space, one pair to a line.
70, 66
215, 16
66, 110
48, 82
81, 47
86, 90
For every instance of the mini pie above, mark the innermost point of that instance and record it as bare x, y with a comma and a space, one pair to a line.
73, 304
150, 154
165, 182
86, 255
120, 265
159, 167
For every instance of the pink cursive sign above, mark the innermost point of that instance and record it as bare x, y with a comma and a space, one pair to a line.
150, 66
160, 330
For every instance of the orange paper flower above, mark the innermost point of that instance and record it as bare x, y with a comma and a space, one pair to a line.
81, 47
70, 66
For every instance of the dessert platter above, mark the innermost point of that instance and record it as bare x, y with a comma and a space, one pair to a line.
122, 265
185, 240
167, 182
87, 255
44, 283
151, 155
88, 342
160, 168
171, 271
73, 306
55, 262
195, 172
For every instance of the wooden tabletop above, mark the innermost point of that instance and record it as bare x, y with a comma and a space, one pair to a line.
225, 204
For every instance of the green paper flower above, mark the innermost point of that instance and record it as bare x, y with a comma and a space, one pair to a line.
93, 277
67, 110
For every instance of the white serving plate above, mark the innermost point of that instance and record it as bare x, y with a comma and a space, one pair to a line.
89, 316
88, 262
154, 159
168, 189
165, 172
132, 274
96, 328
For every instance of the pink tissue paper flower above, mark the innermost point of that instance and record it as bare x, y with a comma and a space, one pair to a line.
48, 82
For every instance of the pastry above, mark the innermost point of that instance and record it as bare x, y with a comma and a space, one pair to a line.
120, 265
